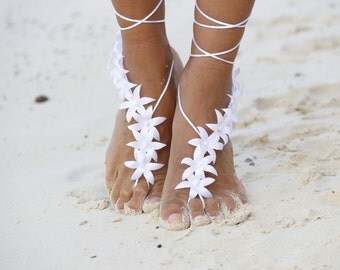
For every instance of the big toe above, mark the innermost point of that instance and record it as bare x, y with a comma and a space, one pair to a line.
174, 216
124, 196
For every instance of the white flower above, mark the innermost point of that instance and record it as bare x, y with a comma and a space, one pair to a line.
223, 127
118, 72
143, 167
144, 143
197, 187
124, 88
236, 89
207, 143
134, 103
198, 166
233, 107
145, 121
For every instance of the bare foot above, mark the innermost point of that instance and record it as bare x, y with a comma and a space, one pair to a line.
204, 85
148, 61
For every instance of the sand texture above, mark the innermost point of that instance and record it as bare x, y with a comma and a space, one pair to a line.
54, 209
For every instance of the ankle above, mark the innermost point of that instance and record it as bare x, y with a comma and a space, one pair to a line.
145, 35
150, 58
208, 73
212, 67
204, 88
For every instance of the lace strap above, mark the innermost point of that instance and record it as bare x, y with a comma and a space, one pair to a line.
183, 113
165, 87
221, 25
137, 22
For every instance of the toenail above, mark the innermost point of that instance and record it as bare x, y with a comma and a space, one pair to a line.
175, 218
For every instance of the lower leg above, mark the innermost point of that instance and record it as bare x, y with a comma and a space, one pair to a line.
204, 84
143, 43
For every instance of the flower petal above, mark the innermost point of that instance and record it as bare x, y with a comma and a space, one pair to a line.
157, 120
154, 166
139, 155
211, 169
207, 181
137, 126
136, 91
203, 132
131, 164
187, 172
136, 174
188, 161
195, 142
218, 146
132, 144
124, 105
146, 100
224, 138
205, 193
199, 174
158, 145
213, 127
154, 155
149, 177
156, 134
130, 114
183, 184
207, 159
219, 116
212, 153
192, 193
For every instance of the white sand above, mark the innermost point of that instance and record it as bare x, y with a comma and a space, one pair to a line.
53, 206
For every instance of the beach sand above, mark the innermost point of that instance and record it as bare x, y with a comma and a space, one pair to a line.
54, 209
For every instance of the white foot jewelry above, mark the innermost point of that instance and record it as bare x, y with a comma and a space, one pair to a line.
144, 130
195, 176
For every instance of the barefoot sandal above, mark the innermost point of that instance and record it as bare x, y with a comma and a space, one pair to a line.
147, 137
195, 175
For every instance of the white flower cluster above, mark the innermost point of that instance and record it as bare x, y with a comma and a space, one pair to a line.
194, 177
144, 129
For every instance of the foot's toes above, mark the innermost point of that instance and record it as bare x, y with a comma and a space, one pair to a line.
124, 197
134, 205
197, 214
110, 177
235, 212
115, 193
109, 180
174, 216
212, 209
228, 205
152, 201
